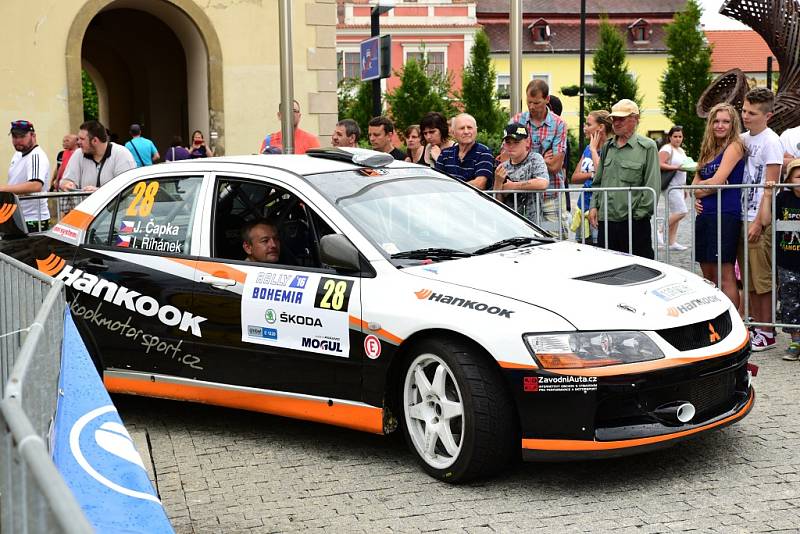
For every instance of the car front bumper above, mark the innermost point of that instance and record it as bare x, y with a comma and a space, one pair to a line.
566, 417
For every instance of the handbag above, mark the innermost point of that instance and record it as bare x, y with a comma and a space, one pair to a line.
667, 176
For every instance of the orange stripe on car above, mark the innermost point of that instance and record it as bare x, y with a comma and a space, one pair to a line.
363, 418
512, 365
388, 336
6, 211
77, 219
583, 445
220, 270
642, 367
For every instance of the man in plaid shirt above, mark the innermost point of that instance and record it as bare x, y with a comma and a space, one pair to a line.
548, 134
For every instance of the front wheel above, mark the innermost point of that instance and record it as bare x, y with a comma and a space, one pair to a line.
457, 416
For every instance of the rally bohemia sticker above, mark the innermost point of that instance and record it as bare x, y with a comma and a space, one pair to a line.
306, 312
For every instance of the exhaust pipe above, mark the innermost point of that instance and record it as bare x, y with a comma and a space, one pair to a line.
676, 412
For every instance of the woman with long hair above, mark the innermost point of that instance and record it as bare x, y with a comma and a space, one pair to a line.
436, 132
596, 129
415, 147
721, 162
671, 156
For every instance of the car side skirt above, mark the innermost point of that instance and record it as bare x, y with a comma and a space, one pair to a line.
338, 412
560, 449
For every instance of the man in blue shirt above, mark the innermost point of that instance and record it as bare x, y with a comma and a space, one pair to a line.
467, 160
143, 150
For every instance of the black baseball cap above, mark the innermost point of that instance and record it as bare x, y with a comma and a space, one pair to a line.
21, 127
515, 130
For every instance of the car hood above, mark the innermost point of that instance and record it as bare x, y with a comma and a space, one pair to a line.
547, 276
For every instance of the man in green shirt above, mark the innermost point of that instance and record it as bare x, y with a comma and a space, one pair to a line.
627, 160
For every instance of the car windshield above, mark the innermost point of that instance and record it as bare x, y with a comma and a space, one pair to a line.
417, 214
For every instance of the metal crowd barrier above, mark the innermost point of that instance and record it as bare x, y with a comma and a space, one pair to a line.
561, 210
33, 495
59, 202
744, 269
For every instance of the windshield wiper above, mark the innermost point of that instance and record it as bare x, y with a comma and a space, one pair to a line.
430, 253
511, 242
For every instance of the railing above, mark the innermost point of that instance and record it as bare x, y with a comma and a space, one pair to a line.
60, 202
33, 495
519, 200
560, 232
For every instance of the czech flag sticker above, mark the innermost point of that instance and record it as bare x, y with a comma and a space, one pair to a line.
123, 241
126, 227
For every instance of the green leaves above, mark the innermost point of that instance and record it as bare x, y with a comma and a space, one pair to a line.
687, 76
478, 88
612, 77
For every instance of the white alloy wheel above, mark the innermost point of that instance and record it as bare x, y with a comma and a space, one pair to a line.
434, 411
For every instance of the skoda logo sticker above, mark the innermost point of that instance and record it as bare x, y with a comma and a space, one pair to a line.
269, 315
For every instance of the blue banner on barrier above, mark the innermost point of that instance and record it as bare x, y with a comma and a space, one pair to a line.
94, 452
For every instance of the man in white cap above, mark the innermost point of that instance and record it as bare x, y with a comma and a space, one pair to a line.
627, 160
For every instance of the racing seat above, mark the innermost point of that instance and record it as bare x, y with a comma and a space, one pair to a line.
227, 238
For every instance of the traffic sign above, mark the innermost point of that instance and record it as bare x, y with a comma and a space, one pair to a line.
370, 59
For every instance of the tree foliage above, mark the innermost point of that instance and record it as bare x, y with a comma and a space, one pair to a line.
418, 93
478, 88
355, 102
688, 74
611, 72
91, 110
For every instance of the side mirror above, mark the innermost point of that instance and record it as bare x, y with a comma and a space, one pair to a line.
338, 252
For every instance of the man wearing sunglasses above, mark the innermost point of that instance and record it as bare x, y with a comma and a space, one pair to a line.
28, 172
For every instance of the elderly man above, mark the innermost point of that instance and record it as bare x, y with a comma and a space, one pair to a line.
627, 160
346, 134
467, 160
97, 161
261, 242
28, 173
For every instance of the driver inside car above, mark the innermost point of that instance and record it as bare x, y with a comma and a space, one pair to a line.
261, 242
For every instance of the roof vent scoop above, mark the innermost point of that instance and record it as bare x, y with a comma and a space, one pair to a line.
623, 276
359, 156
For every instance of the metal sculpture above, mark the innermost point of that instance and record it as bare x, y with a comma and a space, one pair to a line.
778, 23
729, 87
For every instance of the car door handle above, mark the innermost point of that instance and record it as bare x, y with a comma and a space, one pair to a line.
216, 281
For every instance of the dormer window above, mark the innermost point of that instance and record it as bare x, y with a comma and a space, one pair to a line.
640, 31
540, 31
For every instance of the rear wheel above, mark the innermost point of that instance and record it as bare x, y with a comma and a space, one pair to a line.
457, 416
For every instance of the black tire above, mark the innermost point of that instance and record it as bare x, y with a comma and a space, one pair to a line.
485, 433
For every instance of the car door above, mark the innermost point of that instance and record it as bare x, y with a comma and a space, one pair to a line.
132, 279
290, 326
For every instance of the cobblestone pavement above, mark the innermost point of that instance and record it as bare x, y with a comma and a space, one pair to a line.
220, 470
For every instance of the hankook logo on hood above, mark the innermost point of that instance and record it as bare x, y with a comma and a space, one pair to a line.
427, 294
119, 295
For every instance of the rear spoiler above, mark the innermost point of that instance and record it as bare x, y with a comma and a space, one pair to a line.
12, 224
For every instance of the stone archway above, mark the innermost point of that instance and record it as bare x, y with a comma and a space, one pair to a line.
160, 63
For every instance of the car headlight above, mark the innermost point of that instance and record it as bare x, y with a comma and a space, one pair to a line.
575, 350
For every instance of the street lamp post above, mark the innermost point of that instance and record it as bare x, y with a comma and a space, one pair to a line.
382, 6
287, 76
582, 89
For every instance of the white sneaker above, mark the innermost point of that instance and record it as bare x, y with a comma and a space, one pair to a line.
677, 246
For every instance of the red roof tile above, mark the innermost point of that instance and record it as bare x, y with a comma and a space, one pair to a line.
743, 49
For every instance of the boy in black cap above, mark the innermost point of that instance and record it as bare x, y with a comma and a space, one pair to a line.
29, 171
525, 170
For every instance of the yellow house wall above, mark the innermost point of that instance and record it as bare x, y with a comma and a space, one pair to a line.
33, 72
564, 70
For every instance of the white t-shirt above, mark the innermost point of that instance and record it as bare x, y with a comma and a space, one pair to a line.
762, 150
790, 140
676, 157
32, 165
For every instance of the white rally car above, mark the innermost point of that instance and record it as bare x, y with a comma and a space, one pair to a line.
402, 299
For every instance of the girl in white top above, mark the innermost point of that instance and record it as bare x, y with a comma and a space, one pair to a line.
671, 157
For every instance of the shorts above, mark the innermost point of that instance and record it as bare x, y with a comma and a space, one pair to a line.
760, 261
677, 204
789, 296
705, 237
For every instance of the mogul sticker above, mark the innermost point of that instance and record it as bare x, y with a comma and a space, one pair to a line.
307, 312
